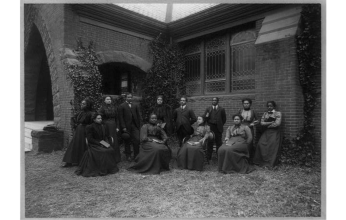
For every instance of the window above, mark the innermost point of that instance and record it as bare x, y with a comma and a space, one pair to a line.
221, 64
193, 69
215, 73
243, 61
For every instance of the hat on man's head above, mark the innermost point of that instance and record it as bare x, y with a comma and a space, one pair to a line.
125, 135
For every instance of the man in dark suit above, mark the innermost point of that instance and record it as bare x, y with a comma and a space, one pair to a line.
184, 117
215, 116
129, 119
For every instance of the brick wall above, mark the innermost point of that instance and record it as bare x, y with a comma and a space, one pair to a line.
277, 80
105, 39
49, 19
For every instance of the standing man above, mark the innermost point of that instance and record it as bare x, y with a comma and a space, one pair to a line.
216, 117
129, 118
184, 117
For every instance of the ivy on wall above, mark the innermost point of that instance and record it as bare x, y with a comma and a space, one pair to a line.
165, 76
85, 77
301, 150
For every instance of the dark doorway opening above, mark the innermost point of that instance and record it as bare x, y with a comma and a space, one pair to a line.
120, 78
37, 83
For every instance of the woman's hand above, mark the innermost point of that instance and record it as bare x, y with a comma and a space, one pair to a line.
117, 129
226, 139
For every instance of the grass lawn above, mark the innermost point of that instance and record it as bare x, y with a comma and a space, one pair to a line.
55, 192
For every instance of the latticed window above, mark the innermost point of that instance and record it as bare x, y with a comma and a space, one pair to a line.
193, 69
228, 63
215, 74
243, 61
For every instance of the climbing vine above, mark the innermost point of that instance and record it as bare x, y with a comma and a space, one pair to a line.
85, 76
301, 150
165, 76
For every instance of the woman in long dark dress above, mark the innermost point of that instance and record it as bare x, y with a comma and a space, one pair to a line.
110, 119
164, 115
100, 157
192, 154
77, 146
250, 120
233, 156
269, 145
154, 155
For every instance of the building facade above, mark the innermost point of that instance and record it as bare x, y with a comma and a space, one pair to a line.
233, 51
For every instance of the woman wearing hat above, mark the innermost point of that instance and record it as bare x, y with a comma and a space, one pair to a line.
192, 154
100, 157
110, 119
154, 155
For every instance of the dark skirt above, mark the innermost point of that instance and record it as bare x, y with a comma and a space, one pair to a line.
268, 148
152, 158
234, 159
112, 128
98, 161
77, 147
191, 157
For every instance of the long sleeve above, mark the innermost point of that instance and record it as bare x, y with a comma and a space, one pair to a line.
163, 135
223, 116
193, 117
228, 132
144, 133
254, 116
277, 122
175, 115
117, 118
248, 135
138, 115
122, 124
206, 131
90, 135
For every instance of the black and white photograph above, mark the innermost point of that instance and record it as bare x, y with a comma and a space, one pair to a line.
173, 109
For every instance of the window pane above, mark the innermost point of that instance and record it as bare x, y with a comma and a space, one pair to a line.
192, 74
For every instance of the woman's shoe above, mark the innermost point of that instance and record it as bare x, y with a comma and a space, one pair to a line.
67, 165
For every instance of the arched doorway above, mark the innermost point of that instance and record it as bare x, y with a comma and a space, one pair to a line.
37, 82
122, 72
121, 78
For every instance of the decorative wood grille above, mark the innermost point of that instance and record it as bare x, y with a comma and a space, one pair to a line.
215, 68
192, 75
243, 61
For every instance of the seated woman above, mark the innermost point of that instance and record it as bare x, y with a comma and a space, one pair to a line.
233, 156
100, 159
191, 155
154, 155
268, 147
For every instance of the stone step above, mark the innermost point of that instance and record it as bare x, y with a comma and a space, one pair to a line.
27, 140
27, 133
28, 147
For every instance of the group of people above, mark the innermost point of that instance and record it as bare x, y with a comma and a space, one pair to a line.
95, 145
